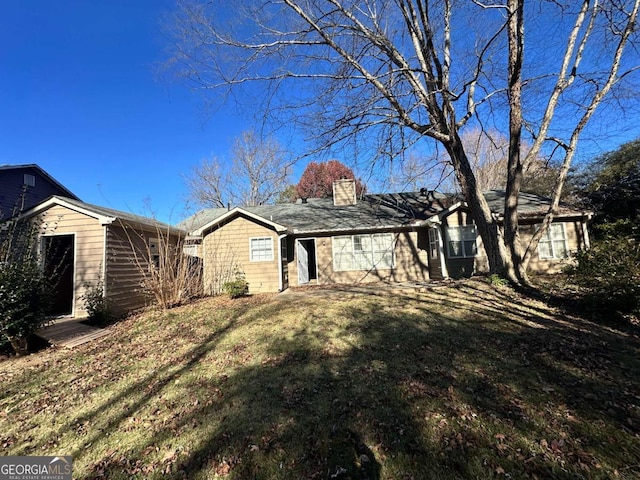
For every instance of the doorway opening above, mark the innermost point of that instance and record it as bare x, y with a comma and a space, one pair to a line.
58, 252
307, 265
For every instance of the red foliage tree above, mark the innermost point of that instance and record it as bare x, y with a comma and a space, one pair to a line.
317, 179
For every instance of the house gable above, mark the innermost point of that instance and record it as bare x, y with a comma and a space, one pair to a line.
24, 186
232, 214
245, 246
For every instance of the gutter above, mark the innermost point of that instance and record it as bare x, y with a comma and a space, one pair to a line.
359, 229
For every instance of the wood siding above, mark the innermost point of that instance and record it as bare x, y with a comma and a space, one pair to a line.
12, 188
344, 192
411, 263
127, 255
226, 250
89, 241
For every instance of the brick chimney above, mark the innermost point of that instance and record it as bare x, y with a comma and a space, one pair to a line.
344, 192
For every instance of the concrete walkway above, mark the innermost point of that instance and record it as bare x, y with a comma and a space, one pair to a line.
70, 333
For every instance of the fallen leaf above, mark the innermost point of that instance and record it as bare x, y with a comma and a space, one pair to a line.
168, 456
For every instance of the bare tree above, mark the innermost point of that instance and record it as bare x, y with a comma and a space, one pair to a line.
401, 71
258, 173
488, 152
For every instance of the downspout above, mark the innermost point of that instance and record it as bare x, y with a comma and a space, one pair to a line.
104, 263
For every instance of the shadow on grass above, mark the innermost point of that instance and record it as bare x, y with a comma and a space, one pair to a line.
468, 382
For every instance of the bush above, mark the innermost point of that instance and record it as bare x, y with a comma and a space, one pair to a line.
609, 273
236, 288
170, 277
24, 287
95, 304
497, 280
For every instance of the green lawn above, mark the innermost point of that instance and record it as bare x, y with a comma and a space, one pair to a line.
465, 381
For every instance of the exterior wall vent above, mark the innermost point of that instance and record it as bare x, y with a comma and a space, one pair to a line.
29, 180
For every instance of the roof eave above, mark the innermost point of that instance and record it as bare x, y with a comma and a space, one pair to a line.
56, 200
296, 231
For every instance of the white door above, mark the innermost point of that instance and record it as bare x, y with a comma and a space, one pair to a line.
303, 263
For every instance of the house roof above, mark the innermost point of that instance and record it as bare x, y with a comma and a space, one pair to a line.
372, 212
529, 204
104, 215
67, 193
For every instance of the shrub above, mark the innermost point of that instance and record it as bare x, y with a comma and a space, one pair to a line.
170, 277
95, 304
497, 280
236, 288
24, 286
609, 273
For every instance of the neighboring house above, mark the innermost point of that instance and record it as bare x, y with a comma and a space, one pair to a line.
413, 236
24, 186
83, 245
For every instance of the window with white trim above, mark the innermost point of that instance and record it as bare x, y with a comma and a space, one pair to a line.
261, 249
553, 244
461, 241
363, 252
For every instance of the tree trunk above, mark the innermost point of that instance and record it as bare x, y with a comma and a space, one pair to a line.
499, 262
515, 28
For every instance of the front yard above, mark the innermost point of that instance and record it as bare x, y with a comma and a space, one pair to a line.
464, 381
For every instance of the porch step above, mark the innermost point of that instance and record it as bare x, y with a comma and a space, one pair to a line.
70, 334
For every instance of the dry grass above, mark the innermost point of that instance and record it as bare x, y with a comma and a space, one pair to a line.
467, 381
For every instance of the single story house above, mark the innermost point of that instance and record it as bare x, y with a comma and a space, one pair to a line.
84, 245
24, 186
395, 237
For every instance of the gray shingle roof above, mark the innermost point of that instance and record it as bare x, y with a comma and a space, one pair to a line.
370, 212
528, 204
373, 211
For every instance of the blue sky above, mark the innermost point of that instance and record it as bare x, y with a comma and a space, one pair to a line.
80, 96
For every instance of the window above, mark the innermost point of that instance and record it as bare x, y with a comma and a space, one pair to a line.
261, 249
461, 241
553, 243
29, 180
363, 252
155, 247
